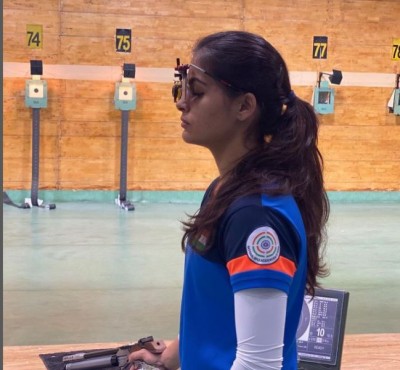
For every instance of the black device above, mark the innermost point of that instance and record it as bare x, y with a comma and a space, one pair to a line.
129, 70
335, 77
36, 67
321, 330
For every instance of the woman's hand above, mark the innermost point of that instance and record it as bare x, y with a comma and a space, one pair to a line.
167, 360
146, 356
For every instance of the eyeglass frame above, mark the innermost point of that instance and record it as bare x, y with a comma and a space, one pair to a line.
182, 69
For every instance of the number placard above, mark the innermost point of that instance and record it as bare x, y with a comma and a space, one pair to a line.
396, 49
123, 40
320, 47
34, 36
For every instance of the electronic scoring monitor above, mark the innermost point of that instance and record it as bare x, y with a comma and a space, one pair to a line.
321, 330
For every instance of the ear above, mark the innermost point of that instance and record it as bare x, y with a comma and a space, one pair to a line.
247, 106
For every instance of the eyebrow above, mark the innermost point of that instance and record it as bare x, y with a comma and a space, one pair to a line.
226, 83
202, 71
191, 80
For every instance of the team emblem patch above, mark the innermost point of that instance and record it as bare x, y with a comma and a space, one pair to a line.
263, 246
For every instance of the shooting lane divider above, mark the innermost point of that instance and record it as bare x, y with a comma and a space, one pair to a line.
125, 100
35, 98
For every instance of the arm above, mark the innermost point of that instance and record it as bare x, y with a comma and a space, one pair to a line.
260, 322
168, 359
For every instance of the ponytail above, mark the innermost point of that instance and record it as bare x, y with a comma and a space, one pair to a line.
308, 185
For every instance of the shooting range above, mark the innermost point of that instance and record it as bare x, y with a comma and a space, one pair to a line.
97, 178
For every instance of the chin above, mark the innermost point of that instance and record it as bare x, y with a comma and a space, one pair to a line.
188, 139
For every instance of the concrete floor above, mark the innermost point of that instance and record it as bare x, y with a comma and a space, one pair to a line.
90, 272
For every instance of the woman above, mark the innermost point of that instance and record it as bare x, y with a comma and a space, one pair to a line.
254, 247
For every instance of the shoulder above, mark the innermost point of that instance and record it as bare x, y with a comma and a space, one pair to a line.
251, 218
258, 209
260, 243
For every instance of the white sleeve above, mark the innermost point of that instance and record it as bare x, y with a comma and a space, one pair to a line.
260, 324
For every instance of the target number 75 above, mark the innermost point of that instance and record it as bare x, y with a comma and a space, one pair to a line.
123, 42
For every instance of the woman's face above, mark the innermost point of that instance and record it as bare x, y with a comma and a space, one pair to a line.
208, 114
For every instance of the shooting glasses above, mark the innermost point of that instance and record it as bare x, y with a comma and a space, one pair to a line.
181, 87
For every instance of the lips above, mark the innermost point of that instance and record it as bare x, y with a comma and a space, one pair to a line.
184, 123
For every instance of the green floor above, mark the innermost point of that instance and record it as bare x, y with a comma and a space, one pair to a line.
91, 272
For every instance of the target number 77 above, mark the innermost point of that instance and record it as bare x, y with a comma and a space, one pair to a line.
320, 47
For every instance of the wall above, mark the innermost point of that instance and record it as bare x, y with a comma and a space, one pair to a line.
80, 129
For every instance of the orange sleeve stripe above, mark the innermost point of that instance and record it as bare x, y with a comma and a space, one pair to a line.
244, 263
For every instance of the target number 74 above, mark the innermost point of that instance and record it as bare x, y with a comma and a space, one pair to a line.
34, 36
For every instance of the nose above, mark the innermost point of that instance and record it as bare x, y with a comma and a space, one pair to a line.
182, 104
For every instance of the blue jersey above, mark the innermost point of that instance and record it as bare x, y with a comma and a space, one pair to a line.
260, 242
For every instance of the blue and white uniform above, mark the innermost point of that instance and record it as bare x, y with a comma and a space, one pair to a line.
260, 243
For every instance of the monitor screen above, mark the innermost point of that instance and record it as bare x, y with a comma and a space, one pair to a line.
321, 329
324, 97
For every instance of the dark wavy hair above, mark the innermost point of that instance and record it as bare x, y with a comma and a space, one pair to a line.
286, 159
